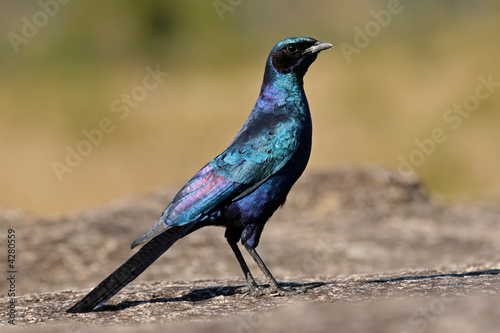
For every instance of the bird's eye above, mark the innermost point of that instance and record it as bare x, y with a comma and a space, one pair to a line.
292, 49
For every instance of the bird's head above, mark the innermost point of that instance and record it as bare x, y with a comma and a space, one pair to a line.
293, 56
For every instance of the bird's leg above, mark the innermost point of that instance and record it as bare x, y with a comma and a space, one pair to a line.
254, 289
274, 287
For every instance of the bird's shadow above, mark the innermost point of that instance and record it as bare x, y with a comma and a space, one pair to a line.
203, 294
433, 276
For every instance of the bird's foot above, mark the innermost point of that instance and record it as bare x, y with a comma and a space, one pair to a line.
280, 291
254, 291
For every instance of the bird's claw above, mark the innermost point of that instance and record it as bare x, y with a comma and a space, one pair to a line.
271, 291
279, 291
254, 291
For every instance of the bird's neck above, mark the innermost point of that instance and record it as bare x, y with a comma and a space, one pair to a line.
280, 89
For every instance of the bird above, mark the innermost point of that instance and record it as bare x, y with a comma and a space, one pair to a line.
242, 187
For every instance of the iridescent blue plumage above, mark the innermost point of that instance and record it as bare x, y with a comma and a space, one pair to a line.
243, 186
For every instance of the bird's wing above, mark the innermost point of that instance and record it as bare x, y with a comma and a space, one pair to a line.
248, 162
253, 162
204, 192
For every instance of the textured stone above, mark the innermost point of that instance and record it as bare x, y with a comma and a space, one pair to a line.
374, 250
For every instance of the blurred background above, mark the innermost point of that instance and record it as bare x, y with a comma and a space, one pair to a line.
83, 121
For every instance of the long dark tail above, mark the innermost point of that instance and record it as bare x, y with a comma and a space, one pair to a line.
131, 269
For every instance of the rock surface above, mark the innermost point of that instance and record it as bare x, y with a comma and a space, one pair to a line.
373, 250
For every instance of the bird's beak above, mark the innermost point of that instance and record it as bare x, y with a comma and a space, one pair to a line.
317, 47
